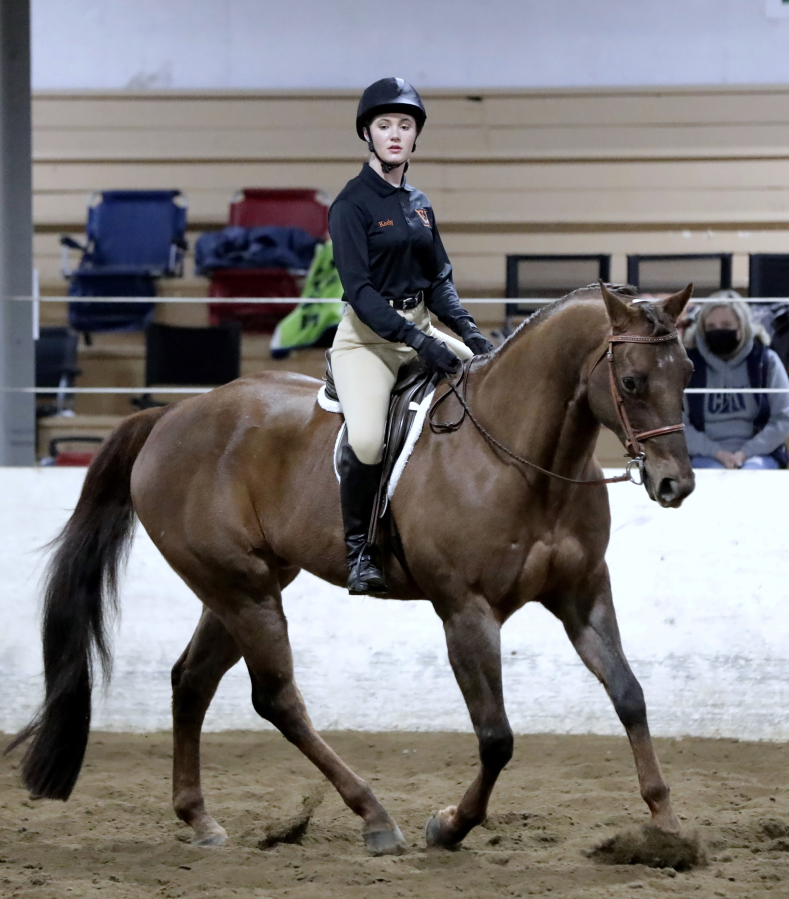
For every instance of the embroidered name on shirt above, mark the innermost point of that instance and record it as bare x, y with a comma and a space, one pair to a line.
422, 213
385, 224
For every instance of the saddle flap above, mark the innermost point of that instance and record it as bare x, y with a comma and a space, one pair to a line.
414, 384
413, 373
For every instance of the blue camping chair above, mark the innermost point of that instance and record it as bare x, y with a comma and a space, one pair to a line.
133, 238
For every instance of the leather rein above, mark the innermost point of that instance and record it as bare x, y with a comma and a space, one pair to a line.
633, 439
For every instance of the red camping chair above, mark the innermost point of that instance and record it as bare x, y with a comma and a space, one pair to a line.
252, 207
71, 458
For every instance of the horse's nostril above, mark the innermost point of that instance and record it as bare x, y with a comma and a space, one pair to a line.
668, 489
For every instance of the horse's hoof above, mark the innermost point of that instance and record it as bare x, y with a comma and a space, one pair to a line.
669, 823
385, 842
217, 837
436, 835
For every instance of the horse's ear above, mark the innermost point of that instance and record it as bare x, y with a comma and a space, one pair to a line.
617, 309
675, 305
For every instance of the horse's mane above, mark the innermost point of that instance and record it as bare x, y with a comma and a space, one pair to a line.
590, 292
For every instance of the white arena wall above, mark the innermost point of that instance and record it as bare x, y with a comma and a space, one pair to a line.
307, 44
700, 594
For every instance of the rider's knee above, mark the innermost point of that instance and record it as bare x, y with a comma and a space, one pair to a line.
629, 704
496, 746
368, 447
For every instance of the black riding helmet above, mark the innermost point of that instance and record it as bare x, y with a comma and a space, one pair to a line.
389, 95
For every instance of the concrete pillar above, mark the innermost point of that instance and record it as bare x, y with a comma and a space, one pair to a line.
17, 361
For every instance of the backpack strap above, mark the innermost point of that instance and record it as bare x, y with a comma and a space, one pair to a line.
758, 376
697, 379
758, 372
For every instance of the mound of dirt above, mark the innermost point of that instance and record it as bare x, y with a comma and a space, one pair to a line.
652, 847
293, 830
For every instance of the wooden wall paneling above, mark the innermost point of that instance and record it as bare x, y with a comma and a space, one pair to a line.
228, 175
82, 178
679, 207
695, 107
167, 110
560, 142
552, 171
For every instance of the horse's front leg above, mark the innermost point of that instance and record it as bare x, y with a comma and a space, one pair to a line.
590, 622
474, 645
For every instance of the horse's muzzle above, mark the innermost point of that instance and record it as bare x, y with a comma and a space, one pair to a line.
669, 490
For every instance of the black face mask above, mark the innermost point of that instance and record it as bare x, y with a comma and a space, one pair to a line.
722, 341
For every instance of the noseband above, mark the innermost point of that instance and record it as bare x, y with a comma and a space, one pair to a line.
633, 440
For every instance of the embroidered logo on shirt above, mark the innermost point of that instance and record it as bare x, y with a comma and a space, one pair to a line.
422, 213
386, 224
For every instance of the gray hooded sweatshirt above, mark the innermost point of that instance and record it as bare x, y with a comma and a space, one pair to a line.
728, 417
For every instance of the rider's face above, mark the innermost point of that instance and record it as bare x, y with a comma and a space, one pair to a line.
393, 136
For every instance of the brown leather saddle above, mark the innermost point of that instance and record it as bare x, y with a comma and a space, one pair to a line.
415, 381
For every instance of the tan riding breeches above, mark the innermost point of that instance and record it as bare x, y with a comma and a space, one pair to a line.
365, 370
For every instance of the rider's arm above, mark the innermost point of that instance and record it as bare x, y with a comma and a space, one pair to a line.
348, 230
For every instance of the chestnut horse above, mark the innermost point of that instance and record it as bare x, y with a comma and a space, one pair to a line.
237, 490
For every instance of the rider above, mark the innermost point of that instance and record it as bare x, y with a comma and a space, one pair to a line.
394, 272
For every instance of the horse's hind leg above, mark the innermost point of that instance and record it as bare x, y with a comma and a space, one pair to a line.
473, 641
196, 675
259, 627
592, 628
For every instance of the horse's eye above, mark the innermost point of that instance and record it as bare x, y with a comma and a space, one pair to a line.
629, 384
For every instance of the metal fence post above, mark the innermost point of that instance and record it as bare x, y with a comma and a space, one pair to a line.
17, 356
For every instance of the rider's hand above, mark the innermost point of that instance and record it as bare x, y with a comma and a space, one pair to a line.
726, 459
434, 353
474, 339
739, 458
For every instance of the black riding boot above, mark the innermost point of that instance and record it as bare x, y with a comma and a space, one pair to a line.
358, 486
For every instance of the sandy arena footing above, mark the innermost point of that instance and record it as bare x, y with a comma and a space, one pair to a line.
117, 837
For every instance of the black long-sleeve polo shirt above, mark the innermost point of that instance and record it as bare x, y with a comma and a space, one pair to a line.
387, 247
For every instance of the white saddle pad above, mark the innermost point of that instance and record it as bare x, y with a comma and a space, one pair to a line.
415, 430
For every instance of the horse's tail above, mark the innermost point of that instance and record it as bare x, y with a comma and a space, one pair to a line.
82, 579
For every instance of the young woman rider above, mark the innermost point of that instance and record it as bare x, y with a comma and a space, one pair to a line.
394, 272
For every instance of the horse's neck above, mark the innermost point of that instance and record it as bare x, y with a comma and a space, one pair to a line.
533, 394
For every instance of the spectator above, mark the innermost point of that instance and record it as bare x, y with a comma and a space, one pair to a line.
735, 430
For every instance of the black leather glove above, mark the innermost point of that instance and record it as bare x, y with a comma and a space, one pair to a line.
434, 353
473, 338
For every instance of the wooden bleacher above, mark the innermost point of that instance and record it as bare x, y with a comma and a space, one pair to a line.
631, 170
652, 170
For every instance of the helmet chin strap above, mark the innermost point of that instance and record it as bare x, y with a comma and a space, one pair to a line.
387, 167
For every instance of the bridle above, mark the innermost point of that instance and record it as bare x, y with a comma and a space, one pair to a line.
633, 440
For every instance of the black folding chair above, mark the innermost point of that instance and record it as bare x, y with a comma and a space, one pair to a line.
177, 356
56, 367
547, 277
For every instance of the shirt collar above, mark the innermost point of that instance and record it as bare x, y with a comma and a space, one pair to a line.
380, 185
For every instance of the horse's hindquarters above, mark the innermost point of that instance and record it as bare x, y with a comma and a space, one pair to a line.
243, 478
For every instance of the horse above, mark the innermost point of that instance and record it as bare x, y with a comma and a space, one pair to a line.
237, 490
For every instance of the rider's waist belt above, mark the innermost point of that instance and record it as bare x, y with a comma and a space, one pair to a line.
407, 303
